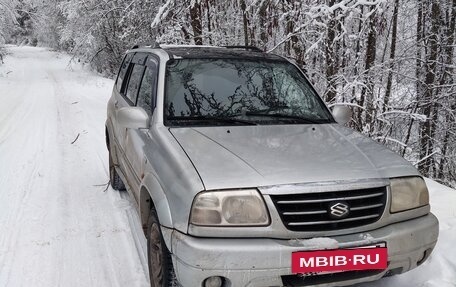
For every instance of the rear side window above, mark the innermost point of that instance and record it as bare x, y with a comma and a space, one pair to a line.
123, 71
134, 82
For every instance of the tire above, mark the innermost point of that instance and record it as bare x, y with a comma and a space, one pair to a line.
161, 271
114, 178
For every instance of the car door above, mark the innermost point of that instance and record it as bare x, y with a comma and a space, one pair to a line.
119, 92
136, 139
126, 96
129, 91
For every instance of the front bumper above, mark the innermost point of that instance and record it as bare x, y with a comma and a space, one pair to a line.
263, 262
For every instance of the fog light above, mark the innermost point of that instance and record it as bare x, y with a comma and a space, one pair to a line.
214, 281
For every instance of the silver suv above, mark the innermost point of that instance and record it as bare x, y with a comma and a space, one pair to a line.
243, 177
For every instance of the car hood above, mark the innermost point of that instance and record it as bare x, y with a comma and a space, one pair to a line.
255, 156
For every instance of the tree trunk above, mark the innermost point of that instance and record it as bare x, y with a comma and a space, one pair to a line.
357, 57
331, 66
409, 131
195, 16
426, 141
245, 22
289, 24
209, 18
296, 43
389, 81
448, 70
419, 39
367, 92
262, 11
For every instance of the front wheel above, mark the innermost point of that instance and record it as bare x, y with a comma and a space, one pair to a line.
161, 271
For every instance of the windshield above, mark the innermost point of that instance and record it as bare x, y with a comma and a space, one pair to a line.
239, 92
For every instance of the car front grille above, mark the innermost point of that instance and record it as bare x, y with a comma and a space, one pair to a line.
312, 211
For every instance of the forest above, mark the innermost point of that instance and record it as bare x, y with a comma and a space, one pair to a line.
391, 61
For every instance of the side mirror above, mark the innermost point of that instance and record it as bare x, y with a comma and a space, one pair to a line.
342, 114
133, 118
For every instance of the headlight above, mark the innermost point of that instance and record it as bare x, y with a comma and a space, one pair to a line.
229, 208
408, 193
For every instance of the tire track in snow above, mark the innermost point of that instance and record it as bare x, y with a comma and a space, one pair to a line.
88, 202
25, 147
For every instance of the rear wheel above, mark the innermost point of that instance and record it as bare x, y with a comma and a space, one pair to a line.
114, 178
161, 271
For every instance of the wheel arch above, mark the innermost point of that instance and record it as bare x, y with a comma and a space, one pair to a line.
107, 137
152, 195
110, 141
108, 132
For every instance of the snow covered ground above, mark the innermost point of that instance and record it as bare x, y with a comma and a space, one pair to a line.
58, 227
440, 269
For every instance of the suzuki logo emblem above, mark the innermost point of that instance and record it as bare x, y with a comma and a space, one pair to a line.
338, 210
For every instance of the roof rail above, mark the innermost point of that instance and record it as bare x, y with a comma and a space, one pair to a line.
153, 45
251, 48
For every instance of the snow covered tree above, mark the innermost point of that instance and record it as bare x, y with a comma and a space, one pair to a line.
392, 61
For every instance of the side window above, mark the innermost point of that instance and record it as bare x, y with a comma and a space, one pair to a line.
123, 71
133, 83
146, 96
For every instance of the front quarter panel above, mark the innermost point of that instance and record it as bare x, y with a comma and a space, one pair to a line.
170, 176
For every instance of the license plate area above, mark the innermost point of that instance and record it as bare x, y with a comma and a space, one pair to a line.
320, 262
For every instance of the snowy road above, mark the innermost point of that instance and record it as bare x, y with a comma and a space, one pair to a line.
57, 225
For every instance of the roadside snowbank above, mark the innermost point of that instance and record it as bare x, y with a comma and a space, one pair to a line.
440, 269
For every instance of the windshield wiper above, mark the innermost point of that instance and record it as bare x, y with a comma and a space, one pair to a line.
272, 109
212, 118
287, 116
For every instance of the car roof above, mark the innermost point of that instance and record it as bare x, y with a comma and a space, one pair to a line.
215, 52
